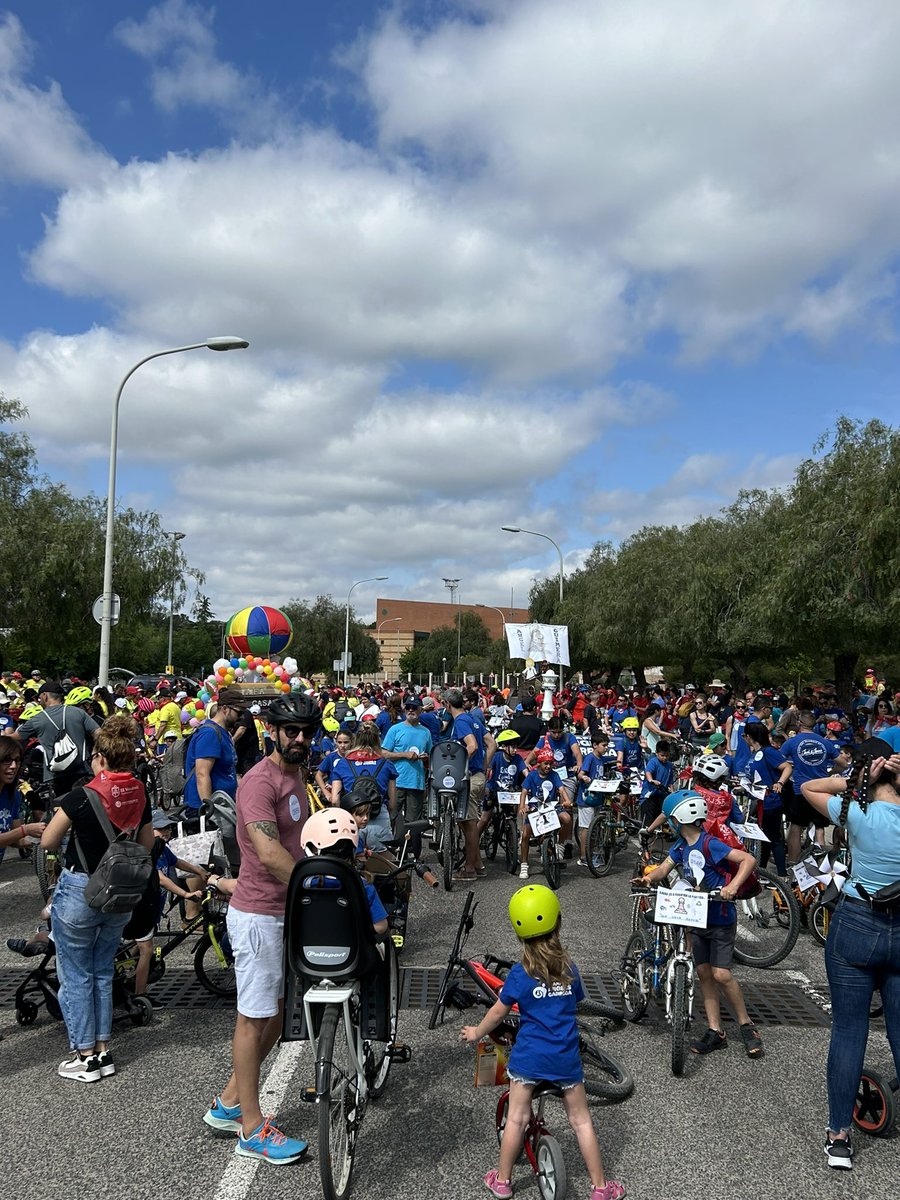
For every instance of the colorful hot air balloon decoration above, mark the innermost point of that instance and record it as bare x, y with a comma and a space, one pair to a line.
258, 631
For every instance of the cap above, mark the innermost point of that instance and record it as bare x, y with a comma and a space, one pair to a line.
412, 702
170, 734
716, 739
160, 819
232, 697
132, 691
4, 699
121, 702
181, 695
689, 687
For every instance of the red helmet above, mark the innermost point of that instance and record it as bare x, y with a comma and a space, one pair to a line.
544, 755
145, 705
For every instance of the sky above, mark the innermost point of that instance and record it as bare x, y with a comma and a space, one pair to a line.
570, 265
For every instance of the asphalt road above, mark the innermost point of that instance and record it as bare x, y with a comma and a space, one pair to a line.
730, 1127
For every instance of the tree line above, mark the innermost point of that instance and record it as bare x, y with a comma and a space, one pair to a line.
796, 583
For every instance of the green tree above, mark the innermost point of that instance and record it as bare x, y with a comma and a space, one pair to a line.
319, 636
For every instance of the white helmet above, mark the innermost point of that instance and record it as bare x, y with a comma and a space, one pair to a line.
711, 766
325, 829
685, 808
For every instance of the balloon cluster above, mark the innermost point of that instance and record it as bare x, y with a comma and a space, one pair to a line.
194, 711
249, 670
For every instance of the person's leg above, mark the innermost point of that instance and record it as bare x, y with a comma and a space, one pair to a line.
517, 1116
773, 828
413, 800
710, 993
890, 997
74, 934
524, 842
731, 990
578, 1113
795, 833
109, 935
267, 1037
585, 820
473, 863
853, 954
142, 970
248, 1049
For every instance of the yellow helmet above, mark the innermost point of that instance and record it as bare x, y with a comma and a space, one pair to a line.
631, 723
533, 910
508, 735
330, 725
79, 695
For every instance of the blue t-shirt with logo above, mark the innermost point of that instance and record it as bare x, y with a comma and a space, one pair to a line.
810, 755
765, 771
432, 722
506, 774
539, 790
630, 749
563, 749
547, 1043
662, 772
617, 716
714, 852
210, 741
465, 724
326, 766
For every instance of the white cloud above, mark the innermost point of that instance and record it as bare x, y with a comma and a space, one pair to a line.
41, 139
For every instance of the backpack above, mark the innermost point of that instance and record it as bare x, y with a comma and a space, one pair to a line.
65, 752
123, 872
341, 710
717, 829
365, 789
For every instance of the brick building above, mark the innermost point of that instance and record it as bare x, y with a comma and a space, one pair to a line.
400, 624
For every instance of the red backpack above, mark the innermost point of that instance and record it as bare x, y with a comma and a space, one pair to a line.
718, 829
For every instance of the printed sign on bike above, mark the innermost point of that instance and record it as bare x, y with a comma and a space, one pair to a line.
749, 831
681, 908
544, 820
801, 872
510, 798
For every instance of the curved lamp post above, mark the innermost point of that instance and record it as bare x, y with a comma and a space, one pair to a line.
371, 579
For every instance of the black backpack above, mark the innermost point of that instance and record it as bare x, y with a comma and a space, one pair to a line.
365, 789
342, 710
123, 872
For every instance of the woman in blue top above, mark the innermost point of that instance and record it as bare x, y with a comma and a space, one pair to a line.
546, 987
12, 831
863, 948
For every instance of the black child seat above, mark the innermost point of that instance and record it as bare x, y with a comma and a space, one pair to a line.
449, 773
328, 934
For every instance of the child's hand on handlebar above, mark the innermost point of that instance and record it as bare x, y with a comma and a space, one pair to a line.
469, 1033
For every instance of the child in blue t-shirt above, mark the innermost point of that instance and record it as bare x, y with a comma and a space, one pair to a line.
599, 764
541, 786
659, 774
546, 988
712, 948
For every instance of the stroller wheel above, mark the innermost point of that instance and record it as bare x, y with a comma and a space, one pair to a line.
26, 1012
141, 1010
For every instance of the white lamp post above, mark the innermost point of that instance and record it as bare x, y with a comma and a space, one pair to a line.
547, 538
371, 579
216, 343
176, 538
502, 631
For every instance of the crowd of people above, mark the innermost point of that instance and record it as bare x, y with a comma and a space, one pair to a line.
366, 750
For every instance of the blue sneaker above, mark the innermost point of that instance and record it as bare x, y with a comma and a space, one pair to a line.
271, 1144
222, 1118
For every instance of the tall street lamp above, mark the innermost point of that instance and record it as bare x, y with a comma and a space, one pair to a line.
390, 621
106, 617
176, 538
547, 538
371, 579
502, 631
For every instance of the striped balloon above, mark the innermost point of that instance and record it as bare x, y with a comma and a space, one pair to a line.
259, 631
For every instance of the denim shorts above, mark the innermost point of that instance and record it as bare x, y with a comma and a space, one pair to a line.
564, 1085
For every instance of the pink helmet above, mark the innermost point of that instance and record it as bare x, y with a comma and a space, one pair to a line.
145, 705
326, 828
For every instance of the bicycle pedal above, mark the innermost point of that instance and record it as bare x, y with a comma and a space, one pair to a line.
400, 1053
398, 940
308, 1095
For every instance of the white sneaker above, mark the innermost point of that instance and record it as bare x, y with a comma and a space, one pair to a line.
523, 871
85, 1070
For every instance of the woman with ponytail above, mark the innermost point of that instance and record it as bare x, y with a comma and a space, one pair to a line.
863, 948
86, 938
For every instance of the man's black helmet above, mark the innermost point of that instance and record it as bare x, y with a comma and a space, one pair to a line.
294, 709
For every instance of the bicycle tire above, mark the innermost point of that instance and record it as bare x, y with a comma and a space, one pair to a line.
551, 1168
510, 847
604, 1076
874, 1111
216, 978
819, 920
641, 906
550, 863
768, 925
602, 859
337, 1105
44, 870
493, 839
380, 1056
679, 1016
634, 993
448, 844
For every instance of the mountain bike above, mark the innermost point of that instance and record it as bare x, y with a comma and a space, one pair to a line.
610, 828
467, 982
502, 830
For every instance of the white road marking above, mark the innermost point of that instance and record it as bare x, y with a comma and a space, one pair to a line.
8, 883
238, 1178
809, 989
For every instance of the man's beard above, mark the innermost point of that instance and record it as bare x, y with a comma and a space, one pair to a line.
296, 754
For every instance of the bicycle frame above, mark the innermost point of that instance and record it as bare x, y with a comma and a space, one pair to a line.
322, 995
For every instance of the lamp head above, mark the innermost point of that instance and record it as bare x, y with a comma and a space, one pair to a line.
227, 343
511, 528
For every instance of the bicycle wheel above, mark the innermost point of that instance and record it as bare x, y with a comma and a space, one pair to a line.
604, 1076
551, 1168
874, 1112
601, 848
491, 837
768, 925
378, 1058
550, 862
510, 847
215, 967
641, 911
632, 983
679, 1016
337, 1102
819, 920
448, 845
46, 868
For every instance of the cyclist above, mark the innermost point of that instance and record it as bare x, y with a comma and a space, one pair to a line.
721, 806
712, 948
540, 786
765, 772
506, 774
567, 756
333, 833
271, 813
480, 747
659, 775
408, 746
547, 988
629, 755
596, 765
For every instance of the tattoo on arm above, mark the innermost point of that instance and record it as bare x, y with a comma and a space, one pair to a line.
267, 828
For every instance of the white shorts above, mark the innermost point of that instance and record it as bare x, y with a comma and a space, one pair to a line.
585, 817
257, 942
570, 786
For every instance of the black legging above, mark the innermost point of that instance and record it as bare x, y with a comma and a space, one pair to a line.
772, 825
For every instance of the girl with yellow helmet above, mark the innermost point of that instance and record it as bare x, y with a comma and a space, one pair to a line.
546, 987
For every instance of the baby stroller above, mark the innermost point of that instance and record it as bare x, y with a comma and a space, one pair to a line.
40, 988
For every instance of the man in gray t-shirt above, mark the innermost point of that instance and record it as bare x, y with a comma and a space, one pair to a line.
48, 725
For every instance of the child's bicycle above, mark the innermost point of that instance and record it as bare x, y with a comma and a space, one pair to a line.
604, 1076
540, 1147
502, 830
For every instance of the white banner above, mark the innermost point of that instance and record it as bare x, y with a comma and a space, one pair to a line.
541, 643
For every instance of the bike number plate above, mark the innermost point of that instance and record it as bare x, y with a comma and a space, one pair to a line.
681, 908
544, 820
509, 798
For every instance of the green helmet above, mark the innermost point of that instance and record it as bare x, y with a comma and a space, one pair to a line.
533, 910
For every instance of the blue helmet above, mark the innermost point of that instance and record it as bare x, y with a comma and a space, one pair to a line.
684, 808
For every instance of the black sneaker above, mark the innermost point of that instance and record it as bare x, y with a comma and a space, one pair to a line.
154, 1003
711, 1040
567, 851
839, 1152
